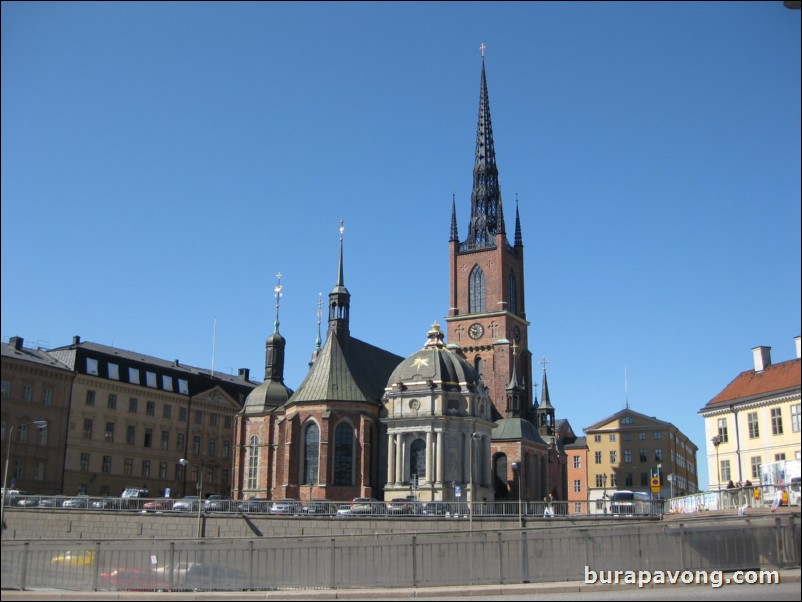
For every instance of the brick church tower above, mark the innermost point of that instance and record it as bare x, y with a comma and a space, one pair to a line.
487, 314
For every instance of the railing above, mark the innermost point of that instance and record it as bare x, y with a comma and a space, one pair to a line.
737, 498
406, 509
453, 558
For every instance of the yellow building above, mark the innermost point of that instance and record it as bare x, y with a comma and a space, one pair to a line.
754, 420
626, 449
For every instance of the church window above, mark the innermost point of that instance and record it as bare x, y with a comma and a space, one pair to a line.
417, 458
253, 461
344, 454
477, 290
477, 364
311, 454
513, 303
501, 468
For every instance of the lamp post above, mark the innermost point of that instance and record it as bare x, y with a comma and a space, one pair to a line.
184, 462
604, 495
716, 441
516, 466
474, 437
40, 424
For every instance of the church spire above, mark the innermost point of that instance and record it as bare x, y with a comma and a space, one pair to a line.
544, 415
275, 344
487, 218
318, 341
518, 239
339, 297
454, 234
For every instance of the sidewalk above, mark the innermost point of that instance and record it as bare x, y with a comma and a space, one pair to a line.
786, 576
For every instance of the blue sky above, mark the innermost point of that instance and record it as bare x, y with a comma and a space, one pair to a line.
162, 162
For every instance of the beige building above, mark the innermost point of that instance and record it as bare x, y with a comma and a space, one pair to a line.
35, 387
119, 419
754, 420
627, 449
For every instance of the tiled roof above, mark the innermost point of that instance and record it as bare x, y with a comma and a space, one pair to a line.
775, 379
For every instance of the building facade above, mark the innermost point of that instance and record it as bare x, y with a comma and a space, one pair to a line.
754, 420
119, 419
35, 387
626, 450
368, 423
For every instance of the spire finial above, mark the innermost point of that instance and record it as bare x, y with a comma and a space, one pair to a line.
482, 48
277, 289
340, 281
543, 362
319, 316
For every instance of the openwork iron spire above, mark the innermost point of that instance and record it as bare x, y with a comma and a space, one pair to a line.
454, 234
518, 239
487, 218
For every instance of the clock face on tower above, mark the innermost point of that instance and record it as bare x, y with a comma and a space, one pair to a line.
476, 330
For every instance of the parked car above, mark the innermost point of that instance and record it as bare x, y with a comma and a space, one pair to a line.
188, 503
132, 497
218, 503
107, 503
286, 506
158, 505
400, 505
344, 510
76, 502
29, 501
51, 502
366, 505
320, 508
255, 504
436, 509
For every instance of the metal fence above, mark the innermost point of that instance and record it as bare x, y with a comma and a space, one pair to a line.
550, 552
374, 508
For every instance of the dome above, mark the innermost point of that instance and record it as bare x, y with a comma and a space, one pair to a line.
434, 367
266, 397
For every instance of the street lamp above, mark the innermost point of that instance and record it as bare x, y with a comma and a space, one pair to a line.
516, 466
474, 437
40, 424
604, 496
184, 462
716, 441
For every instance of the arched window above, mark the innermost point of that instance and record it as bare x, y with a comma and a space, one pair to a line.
253, 462
476, 291
417, 459
477, 364
344, 454
513, 303
311, 454
500, 476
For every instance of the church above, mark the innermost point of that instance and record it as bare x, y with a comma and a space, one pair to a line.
453, 421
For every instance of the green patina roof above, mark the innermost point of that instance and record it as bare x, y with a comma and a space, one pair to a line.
508, 429
347, 371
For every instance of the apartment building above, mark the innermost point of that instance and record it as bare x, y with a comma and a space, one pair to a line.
627, 449
754, 420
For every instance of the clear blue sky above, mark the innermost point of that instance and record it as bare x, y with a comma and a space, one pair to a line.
161, 162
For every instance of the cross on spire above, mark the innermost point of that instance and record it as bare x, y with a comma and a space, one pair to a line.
543, 362
482, 48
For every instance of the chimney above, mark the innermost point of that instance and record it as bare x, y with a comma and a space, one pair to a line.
796, 340
245, 373
16, 343
176, 363
762, 357
76, 340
